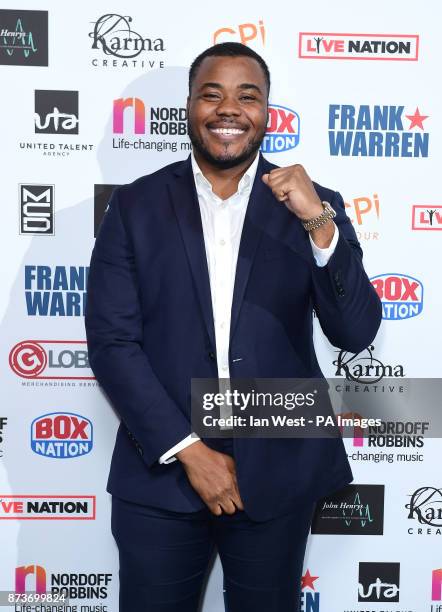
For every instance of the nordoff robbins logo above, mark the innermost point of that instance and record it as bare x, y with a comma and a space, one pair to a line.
324, 45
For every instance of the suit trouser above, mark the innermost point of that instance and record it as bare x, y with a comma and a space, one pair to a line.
164, 557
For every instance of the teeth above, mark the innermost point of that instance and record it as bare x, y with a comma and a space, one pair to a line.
227, 131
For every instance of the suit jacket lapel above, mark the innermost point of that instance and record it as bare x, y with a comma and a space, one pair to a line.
185, 203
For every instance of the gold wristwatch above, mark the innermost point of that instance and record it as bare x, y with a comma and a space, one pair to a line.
328, 213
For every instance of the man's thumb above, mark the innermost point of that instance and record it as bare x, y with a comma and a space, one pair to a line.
265, 178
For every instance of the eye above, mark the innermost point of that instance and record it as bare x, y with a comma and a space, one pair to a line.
247, 98
211, 96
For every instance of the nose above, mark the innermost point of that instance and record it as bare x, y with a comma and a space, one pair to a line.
228, 106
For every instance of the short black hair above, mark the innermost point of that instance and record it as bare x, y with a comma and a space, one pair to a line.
228, 49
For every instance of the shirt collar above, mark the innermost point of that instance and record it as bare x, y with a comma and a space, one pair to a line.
244, 185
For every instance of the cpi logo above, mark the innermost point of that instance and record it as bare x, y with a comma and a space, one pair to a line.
282, 131
51, 359
61, 435
402, 296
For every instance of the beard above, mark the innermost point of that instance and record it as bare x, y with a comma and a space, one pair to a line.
226, 160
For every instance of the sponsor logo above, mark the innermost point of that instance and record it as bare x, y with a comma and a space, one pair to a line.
23, 38
355, 510
56, 112
61, 435
378, 582
364, 367
122, 47
57, 291
51, 359
376, 131
283, 130
425, 506
36, 209
436, 586
69, 585
102, 195
426, 217
61, 507
244, 33
363, 211
402, 296
310, 596
323, 45
3, 423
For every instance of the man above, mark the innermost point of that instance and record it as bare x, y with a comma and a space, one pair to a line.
204, 269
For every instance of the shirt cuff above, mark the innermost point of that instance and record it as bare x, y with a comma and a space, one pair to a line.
168, 457
323, 255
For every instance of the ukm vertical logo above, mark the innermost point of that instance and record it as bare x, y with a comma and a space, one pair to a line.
36, 210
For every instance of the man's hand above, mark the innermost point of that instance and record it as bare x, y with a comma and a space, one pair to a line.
292, 185
213, 476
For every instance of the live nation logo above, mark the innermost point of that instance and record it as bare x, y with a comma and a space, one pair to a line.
354, 510
36, 211
51, 359
379, 582
23, 38
61, 507
324, 45
119, 45
426, 217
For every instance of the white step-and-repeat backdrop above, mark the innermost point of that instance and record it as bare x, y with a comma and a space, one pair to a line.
92, 96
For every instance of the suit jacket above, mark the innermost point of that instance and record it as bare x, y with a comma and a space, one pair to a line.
150, 329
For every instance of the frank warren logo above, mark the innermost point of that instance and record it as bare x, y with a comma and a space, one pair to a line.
376, 131
23, 38
310, 595
56, 112
36, 210
425, 507
355, 510
322, 45
3, 423
119, 45
56, 291
62, 507
426, 217
61, 435
379, 582
51, 359
402, 296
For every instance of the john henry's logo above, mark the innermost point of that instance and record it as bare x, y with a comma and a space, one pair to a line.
436, 585
379, 582
245, 33
61, 435
283, 130
364, 368
56, 112
102, 195
23, 38
322, 45
356, 509
36, 209
21, 574
426, 217
51, 359
55, 292
426, 506
402, 296
113, 34
376, 131
60, 507
310, 596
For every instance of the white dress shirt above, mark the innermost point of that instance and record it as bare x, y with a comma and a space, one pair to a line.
222, 222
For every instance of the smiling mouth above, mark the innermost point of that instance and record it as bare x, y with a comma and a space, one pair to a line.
226, 133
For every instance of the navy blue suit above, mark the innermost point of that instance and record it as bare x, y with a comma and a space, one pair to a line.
150, 330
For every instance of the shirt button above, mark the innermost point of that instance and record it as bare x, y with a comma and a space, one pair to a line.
222, 242
222, 324
224, 368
